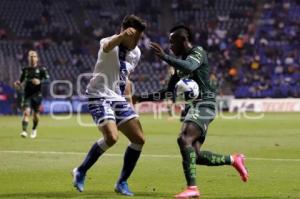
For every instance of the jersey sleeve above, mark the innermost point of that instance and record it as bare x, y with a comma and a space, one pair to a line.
22, 76
103, 41
112, 52
198, 55
44, 74
137, 57
133, 59
191, 63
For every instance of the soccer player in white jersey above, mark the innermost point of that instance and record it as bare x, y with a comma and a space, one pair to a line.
117, 57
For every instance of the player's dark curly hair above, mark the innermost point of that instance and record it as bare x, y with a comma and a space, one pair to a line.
184, 29
132, 21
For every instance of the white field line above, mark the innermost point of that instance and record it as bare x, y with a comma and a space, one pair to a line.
143, 155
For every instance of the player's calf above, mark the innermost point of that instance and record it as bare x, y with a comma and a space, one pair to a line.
92, 156
24, 127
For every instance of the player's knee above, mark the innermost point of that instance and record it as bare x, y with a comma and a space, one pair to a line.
26, 113
140, 140
111, 139
181, 141
135, 146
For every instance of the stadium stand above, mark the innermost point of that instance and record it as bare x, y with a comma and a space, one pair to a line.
253, 46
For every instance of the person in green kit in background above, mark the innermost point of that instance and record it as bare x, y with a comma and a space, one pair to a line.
30, 83
193, 64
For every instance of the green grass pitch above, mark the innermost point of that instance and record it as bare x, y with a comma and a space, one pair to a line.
40, 168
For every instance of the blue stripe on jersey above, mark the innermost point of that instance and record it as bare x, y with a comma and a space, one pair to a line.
123, 75
123, 70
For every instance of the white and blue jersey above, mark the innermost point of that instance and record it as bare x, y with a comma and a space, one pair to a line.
106, 88
111, 71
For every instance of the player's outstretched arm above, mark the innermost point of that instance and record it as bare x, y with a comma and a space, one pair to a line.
189, 64
117, 39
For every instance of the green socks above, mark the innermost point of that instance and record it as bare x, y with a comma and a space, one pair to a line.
35, 123
24, 125
189, 165
189, 161
211, 159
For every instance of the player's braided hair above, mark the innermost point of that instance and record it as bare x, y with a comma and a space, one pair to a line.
132, 21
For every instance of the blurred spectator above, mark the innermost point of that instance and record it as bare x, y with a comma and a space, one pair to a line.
3, 33
250, 52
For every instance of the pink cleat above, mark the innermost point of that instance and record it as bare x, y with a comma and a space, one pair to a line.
190, 192
239, 165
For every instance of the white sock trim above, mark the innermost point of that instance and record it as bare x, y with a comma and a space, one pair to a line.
102, 144
231, 159
137, 147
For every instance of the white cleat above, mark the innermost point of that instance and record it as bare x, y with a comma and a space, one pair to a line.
23, 134
33, 134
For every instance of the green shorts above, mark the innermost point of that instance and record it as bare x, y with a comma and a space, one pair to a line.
202, 116
33, 102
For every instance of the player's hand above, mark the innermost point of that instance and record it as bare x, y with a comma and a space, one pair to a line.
17, 84
35, 81
157, 49
128, 32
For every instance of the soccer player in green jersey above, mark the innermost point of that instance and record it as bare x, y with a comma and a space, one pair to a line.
30, 82
192, 62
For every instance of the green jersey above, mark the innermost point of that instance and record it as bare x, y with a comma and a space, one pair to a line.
28, 74
195, 66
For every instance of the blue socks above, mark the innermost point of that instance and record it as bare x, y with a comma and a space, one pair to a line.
130, 158
90, 158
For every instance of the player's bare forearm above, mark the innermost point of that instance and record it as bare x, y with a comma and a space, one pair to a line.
117, 39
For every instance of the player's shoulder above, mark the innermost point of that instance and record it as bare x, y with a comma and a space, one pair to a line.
43, 68
198, 52
198, 49
35, 69
105, 39
25, 68
134, 56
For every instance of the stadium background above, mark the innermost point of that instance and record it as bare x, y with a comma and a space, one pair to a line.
253, 45
254, 53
